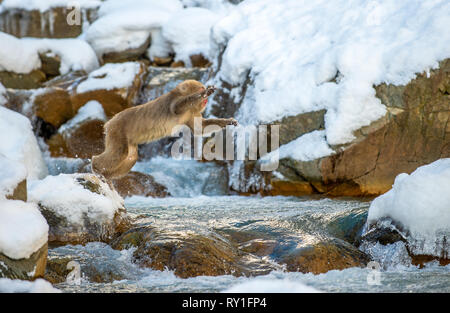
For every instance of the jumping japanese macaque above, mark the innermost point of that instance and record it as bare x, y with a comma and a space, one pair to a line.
151, 121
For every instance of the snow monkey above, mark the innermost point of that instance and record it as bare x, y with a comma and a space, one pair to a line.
151, 121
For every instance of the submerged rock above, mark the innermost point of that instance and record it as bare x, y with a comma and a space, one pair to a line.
79, 208
136, 183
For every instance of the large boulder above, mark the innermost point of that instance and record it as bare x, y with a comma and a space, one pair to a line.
415, 212
413, 132
79, 208
23, 240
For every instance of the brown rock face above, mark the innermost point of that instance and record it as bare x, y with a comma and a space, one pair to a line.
32, 80
53, 106
49, 24
136, 183
82, 141
127, 55
414, 132
26, 269
20, 192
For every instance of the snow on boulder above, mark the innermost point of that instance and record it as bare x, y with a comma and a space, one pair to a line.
416, 210
22, 55
21, 286
12, 173
23, 229
297, 56
188, 32
18, 143
124, 25
79, 208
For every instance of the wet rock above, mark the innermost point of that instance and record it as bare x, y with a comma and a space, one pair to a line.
32, 80
57, 272
49, 24
187, 256
82, 141
324, 256
136, 183
127, 55
96, 215
292, 127
25, 269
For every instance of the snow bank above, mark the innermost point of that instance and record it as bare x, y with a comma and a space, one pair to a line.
22, 55
309, 55
18, 143
110, 76
11, 174
45, 5
66, 197
23, 229
420, 203
126, 25
24, 286
188, 32
271, 286
307, 147
92, 110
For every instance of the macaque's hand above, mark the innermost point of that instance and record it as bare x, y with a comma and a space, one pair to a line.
209, 91
232, 121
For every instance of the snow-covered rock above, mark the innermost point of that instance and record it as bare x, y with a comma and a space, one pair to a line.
127, 25
37, 286
22, 55
418, 209
79, 208
18, 143
302, 56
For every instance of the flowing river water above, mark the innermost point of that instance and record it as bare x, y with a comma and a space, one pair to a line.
199, 205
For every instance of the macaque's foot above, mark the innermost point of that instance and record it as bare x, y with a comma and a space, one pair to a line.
209, 91
232, 121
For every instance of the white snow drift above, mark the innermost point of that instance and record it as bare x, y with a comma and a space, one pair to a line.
19, 144
420, 203
307, 55
22, 55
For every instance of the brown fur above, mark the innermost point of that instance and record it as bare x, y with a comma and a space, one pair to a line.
148, 122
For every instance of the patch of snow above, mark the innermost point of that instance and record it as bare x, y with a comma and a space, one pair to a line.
45, 5
293, 50
92, 110
420, 203
127, 24
18, 143
307, 147
22, 55
188, 32
110, 76
11, 174
65, 196
23, 286
23, 229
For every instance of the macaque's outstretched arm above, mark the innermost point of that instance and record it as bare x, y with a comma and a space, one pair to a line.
221, 122
183, 104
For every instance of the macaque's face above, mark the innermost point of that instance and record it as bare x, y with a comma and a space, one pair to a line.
189, 87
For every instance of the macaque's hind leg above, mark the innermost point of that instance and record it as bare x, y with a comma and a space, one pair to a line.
125, 166
116, 150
